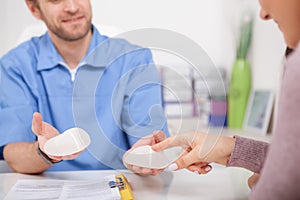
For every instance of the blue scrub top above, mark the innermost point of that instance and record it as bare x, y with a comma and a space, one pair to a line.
115, 97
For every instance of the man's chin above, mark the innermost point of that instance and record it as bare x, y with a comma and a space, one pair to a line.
72, 36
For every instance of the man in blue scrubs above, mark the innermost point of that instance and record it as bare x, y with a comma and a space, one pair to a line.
72, 76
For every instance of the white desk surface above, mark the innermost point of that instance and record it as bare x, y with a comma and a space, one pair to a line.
220, 184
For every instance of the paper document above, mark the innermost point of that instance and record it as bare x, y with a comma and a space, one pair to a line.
64, 189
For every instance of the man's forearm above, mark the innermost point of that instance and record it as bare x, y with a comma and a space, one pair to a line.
23, 158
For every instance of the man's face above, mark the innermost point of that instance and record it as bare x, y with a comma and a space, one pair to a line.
286, 13
69, 20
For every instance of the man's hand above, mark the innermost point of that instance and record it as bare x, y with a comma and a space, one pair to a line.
155, 138
44, 132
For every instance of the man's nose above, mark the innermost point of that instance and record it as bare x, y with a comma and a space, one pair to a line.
71, 5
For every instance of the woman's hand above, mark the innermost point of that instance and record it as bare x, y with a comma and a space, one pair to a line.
253, 180
201, 149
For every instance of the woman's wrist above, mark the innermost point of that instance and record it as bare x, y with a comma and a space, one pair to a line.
225, 148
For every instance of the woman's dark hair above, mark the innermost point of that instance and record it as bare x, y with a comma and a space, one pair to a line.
288, 51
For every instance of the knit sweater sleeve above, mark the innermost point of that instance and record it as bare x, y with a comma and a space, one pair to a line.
249, 154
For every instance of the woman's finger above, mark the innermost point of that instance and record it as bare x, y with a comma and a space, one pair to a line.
202, 168
185, 161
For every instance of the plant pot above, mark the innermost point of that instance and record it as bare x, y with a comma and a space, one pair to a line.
239, 90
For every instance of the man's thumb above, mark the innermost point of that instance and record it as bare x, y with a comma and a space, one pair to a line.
37, 124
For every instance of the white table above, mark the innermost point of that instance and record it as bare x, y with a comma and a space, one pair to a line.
222, 183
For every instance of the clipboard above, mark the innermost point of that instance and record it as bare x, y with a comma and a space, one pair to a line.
123, 186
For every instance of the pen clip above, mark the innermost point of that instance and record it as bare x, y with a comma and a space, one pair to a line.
118, 183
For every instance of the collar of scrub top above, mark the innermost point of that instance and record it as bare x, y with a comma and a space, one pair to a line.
101, 53
48, 57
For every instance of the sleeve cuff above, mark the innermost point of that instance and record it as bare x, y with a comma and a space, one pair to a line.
249, 154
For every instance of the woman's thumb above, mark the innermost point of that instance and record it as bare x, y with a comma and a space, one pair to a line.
183, 162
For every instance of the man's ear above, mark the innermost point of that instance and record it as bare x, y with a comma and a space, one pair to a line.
35, 11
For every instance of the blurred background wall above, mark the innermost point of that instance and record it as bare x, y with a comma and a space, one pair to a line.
211, 24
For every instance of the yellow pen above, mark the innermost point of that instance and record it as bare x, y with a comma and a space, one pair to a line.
124, 187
